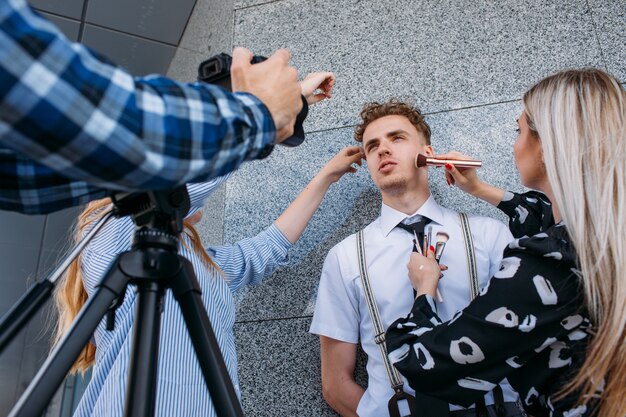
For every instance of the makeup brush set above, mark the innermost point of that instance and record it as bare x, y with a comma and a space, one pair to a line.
422, 160
439, 246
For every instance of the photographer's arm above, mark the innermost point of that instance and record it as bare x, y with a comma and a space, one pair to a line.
296, 217
89, 120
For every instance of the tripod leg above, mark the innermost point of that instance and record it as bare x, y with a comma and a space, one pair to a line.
21, 313
141, 389
188, 295
41, 389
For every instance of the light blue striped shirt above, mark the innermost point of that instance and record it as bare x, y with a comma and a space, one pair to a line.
181, 390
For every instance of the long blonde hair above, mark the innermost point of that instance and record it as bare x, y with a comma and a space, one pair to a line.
580, 119
70, 295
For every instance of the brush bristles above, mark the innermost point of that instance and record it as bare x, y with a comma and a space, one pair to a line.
420, 160
442, 237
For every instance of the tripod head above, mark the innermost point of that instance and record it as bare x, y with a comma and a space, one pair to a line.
158, 215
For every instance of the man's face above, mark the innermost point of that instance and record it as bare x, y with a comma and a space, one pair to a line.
391, 144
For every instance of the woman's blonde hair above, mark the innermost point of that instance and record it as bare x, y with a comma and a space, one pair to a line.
580, 119
70, 295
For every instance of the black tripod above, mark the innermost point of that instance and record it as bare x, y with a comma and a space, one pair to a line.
152, 265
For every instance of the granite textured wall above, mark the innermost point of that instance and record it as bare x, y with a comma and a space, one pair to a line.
466, 63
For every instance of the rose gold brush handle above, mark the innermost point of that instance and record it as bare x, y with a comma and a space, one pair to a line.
456, 162
422, 160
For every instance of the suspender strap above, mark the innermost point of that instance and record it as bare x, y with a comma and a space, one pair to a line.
472, 270
379, 331
470, 255
394, 376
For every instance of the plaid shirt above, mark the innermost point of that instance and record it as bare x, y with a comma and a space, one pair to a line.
73, 126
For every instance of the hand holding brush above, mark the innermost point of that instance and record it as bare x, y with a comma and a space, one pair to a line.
459, 172
422, 160
425, 272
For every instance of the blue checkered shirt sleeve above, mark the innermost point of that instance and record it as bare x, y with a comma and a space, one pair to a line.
91, 126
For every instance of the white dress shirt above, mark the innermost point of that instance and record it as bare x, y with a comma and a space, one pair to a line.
341, 311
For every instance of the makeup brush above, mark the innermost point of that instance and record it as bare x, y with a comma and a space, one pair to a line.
415, 249
422, 160
442, 238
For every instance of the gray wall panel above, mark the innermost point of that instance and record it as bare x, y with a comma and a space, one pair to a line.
161, 20
10, 362
69, 27
59, 229
139, 56
67, 8
445, 54
610, 19
21, 229
18, 266
209, 30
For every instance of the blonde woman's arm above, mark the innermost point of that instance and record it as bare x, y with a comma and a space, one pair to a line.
296, 217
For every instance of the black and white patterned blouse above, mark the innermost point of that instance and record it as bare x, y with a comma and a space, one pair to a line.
527, 325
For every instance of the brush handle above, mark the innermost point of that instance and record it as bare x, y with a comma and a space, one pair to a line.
456, 162
438, 252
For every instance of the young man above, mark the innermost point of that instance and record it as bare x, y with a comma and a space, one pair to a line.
392, 134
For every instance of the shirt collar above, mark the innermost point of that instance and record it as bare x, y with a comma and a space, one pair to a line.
390, 217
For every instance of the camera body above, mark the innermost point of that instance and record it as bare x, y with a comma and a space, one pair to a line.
216, 70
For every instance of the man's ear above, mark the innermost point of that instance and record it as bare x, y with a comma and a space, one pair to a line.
429, 151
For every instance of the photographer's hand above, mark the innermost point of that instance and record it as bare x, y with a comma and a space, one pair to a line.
315, 81
273, 82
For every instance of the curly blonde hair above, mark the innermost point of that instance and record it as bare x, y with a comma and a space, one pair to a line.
393, 107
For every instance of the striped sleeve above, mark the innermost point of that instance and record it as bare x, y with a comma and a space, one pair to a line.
199, 192
250, 260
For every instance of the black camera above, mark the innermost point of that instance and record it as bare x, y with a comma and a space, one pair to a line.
216, 70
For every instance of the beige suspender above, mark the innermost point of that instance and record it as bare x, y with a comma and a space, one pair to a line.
379, 338
470, 255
